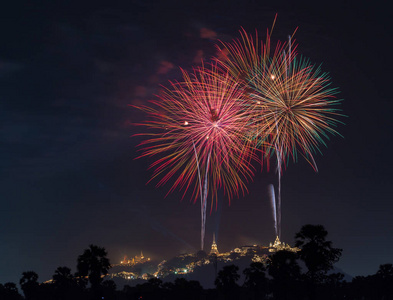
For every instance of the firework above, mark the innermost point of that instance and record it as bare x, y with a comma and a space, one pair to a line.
247, 57
252, 61
292, 105
198, 128
296, 110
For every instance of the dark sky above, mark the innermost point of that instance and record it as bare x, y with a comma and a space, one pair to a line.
68, 72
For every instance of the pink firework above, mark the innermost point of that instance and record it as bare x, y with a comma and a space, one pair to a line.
198, 129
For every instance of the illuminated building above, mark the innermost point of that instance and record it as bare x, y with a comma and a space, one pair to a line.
125, 260
124, 275
278, 246
214, 249
134, 261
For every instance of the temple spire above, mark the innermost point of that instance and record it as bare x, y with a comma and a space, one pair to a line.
214, 249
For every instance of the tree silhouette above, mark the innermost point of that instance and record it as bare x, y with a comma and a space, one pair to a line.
130, 292
108, 289
66, 285
256, 280
226, 281
152, 289
93, 263
333, 287
364, 288
30, 286
317, 254
373, 287
285, 273
9, 291
384, 277
62, 275
184, 289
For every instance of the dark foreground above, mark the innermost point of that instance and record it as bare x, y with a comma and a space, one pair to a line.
280, 278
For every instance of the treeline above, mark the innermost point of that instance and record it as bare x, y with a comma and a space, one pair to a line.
287, 275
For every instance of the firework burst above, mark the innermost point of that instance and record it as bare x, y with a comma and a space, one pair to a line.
198, 128
255, 64
295, 110
292, 106
206, 129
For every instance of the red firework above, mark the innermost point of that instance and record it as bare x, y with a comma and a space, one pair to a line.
198, 127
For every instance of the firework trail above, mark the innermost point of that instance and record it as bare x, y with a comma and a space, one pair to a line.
197, 130
203, 200
274, 208
278, 212
204, 205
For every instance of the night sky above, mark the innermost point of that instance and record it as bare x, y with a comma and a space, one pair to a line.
69, 178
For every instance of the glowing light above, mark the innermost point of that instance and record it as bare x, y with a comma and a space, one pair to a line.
185, 123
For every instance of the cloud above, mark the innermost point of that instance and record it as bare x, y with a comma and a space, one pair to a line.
208, 33
198, 57
165, 67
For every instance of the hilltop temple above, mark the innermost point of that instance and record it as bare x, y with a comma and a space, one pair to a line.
243, 250
135, 260
278, 246
214, 249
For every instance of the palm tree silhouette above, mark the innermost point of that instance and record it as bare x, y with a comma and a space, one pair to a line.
94, 264
29, 284
226, 281
285, 273
256, 280
317, 254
